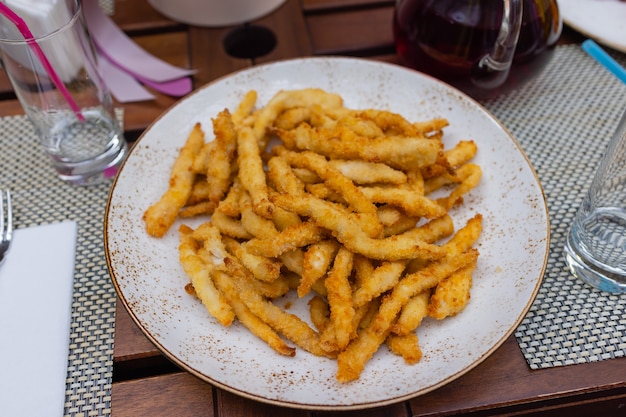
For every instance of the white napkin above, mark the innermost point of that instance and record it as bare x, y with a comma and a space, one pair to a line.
36, 283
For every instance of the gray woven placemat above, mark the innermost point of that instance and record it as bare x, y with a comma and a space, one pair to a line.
39, 197
563, 119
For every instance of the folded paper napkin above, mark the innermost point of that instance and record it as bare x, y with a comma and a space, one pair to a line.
126, 67
36, 283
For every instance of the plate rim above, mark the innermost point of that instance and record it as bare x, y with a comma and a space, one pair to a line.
333, 407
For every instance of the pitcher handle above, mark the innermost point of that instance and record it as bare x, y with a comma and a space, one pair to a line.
492, 69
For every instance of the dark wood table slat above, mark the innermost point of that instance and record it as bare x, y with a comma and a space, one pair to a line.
130, 342
6, 90
229, 404
504, 380
342, 32
209, 58
288, 25
137, 15
179, 394
326, 6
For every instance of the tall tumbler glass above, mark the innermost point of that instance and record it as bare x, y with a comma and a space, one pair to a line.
596, 244
75, 121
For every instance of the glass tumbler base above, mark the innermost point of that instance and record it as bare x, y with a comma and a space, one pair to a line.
593, 275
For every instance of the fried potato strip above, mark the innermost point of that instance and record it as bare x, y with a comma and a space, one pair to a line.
351, 209
200, 274
251, 172
340, 303
351, 361
257, 326
160, 216
221, 155
343, 143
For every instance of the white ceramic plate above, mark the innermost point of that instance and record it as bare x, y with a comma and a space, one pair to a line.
602, 20
513, 247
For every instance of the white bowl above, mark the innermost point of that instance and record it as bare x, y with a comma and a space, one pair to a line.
215, 12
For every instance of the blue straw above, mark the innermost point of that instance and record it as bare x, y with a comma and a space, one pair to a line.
600, 55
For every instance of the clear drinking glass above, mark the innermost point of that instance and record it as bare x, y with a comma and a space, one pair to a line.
76, 124
596, 244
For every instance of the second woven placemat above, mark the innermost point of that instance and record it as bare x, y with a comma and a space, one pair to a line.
563, 120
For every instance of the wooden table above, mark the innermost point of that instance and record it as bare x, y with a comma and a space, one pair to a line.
146, 383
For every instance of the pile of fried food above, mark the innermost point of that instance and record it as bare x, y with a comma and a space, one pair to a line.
337, 204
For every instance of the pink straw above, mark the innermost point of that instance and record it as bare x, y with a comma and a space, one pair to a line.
30, 40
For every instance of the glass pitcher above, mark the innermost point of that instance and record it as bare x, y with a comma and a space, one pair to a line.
483, 47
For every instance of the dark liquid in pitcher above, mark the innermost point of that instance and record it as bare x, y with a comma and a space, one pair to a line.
447, 39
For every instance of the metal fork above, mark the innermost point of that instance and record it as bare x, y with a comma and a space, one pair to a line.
6, 223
